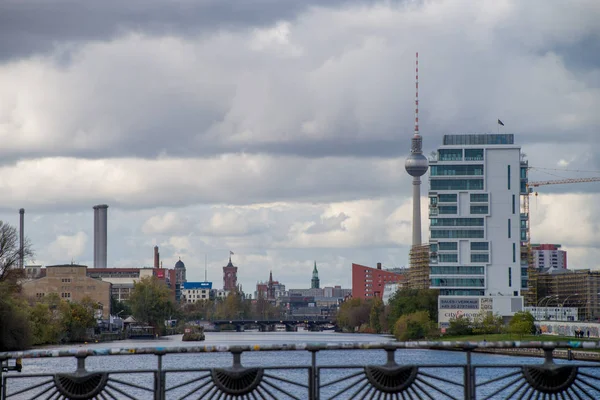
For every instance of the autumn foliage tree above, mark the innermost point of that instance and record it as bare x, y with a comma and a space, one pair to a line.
150, 302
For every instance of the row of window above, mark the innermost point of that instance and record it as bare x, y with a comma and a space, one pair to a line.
458, 270
448, 258
452, 170
456, 184
457, 234
462, 292
465, 282
456, 221
480, 246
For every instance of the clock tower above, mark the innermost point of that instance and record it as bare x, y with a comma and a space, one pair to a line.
230, 276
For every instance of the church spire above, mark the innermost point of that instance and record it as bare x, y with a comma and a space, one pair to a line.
314, 282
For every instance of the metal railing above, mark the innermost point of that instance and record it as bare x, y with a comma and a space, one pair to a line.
309, 378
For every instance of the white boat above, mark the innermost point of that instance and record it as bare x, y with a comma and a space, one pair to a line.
280, 328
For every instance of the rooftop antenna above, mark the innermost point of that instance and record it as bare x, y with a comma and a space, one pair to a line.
417, 94
205, 263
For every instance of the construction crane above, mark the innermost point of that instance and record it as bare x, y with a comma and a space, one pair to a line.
526, 245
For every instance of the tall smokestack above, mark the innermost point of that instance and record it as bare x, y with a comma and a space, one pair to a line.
22, 238
156, 257
100, 235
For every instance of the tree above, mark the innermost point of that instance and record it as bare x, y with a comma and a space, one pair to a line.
10, 252
408, 301
522, 323
375, 316
15, 329
486, 322
150, 302
460, 326
353, 313
413, 326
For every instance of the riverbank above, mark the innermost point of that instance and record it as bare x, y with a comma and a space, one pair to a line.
565, 354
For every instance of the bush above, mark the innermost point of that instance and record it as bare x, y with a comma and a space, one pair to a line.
522, 323
460, 326
413, 326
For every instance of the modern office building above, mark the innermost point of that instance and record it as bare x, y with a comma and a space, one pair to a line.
549, 258
475, 220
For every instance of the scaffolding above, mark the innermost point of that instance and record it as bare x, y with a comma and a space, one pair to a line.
575, 288
418, 273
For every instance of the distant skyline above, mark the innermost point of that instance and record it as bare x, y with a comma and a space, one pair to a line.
279, 130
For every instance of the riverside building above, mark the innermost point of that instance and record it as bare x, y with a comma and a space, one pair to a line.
475, 227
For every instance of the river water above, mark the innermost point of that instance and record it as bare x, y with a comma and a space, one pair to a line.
337, 358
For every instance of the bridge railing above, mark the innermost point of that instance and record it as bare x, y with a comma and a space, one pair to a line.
300, 371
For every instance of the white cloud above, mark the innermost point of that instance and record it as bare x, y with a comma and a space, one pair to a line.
68, 247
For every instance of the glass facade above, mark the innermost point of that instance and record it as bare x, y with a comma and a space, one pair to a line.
456, 184
479, 210
479, 258
449, 246
473, 154
479, 139
480, 246
458, 270
445, 170
462, 292
448, 209
457, 234
450, 155
447, 198
460, 282
456, 221
479, 197
448, 258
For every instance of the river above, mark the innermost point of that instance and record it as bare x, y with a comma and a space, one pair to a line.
336, 358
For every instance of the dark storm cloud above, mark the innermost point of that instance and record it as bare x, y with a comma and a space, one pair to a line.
36, 26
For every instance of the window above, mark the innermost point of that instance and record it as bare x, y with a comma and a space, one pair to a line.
509, 277
479, 139
509, 228
456, 184
458, 270
457, 234
433, 200
451, 258
448, 245
479, 197
477, 246
473, 154
523, 172
447, 198
467, 282
479, 210
448, 209
480, 258
451, 170
461, 292
456, 221
433, 247
450, 154
508, 177
514, 252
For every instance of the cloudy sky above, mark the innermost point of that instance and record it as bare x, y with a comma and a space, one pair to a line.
278, 129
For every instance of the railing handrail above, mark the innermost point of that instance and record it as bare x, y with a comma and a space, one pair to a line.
314, 347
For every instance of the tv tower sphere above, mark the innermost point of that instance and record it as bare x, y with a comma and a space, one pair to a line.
416, 164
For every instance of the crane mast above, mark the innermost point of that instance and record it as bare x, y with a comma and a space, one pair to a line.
526, 246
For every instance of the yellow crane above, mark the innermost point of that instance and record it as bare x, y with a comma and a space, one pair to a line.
531, 296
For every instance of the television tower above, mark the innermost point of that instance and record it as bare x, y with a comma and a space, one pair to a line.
416, 165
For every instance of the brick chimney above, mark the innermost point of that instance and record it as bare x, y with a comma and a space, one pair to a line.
378, 265
156, 257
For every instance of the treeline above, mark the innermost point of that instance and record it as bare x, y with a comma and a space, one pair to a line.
410, 314
49, 320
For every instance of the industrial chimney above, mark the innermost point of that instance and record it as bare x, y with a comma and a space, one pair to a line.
156, 257
22, 238
100, 235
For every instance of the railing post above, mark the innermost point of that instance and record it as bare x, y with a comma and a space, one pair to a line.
159, 385
313, 377
468, 380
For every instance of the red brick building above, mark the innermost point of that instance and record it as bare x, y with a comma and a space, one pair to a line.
230, 276
368, 282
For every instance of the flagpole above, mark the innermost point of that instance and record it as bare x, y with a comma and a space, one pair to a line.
498, 126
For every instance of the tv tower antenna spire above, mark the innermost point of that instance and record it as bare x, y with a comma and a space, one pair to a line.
417, 94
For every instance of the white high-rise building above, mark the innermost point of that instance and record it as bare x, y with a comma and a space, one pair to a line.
475, 224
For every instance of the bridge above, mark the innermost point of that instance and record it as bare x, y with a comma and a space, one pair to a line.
311, 324
311, 378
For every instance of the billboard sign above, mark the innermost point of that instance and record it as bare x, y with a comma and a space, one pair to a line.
451, 307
